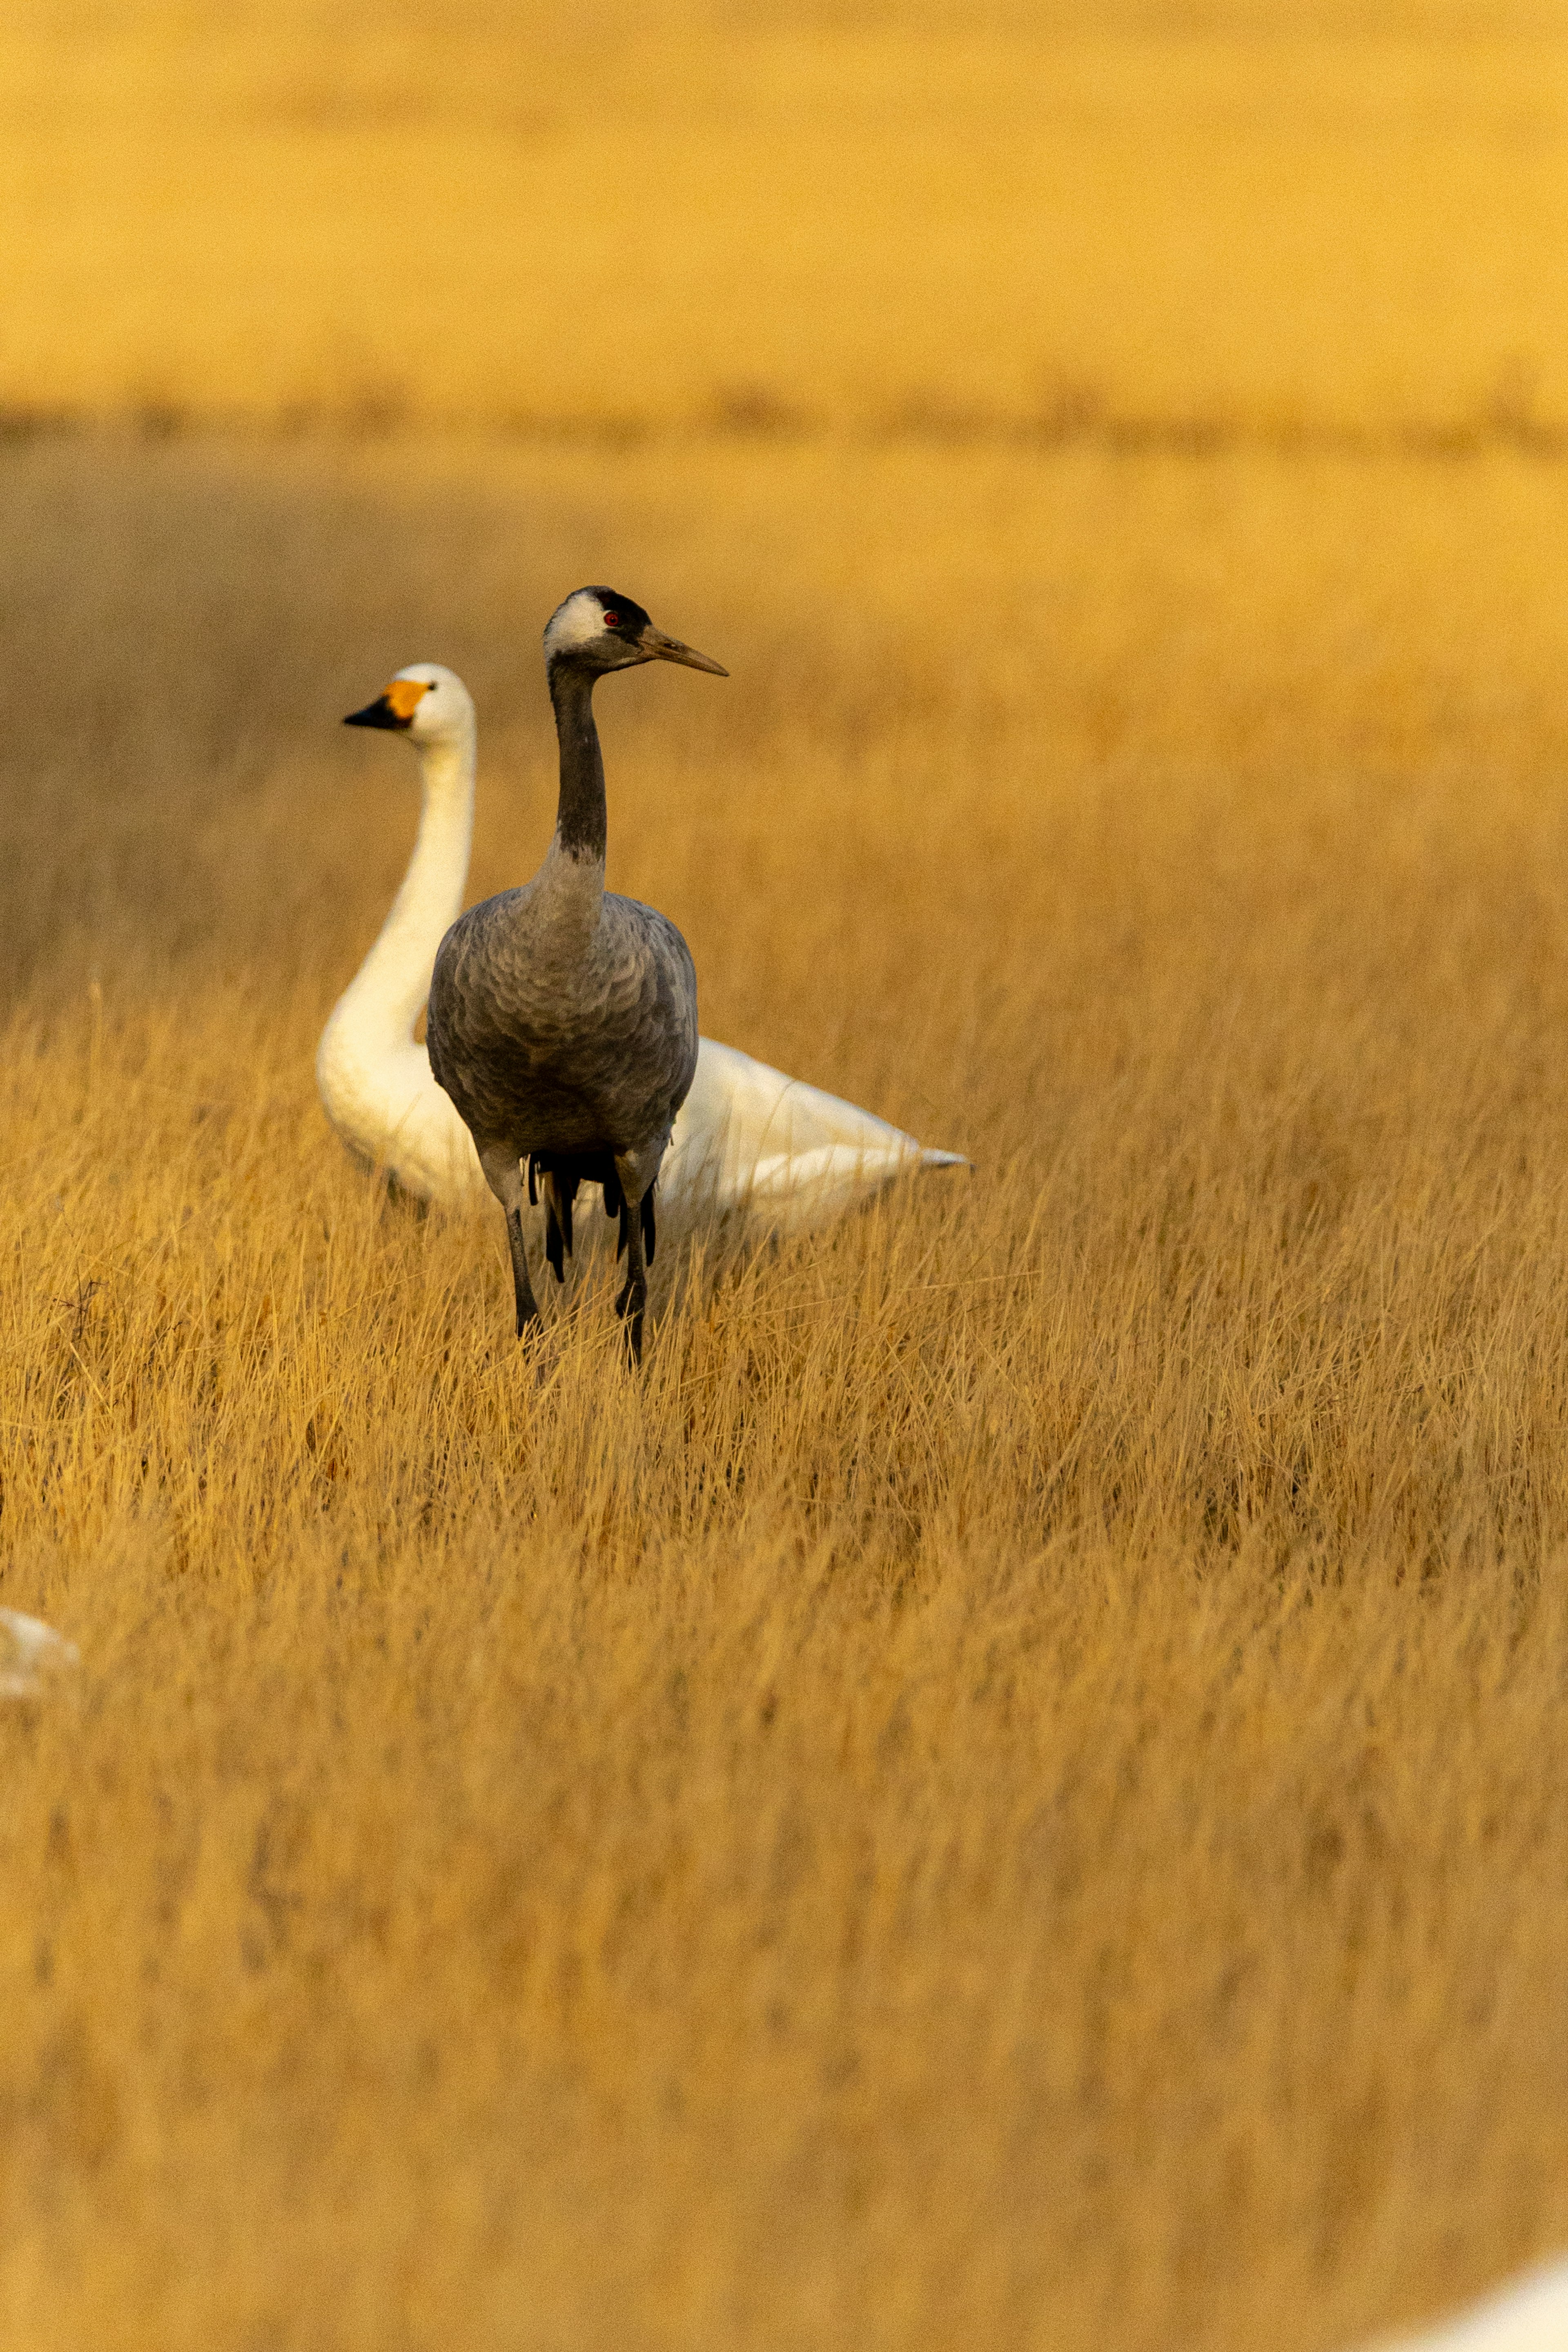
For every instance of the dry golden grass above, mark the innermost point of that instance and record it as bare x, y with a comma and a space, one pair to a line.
1010, 1791
950, 217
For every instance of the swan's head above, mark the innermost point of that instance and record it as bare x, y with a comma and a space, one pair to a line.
597, 629
425, 702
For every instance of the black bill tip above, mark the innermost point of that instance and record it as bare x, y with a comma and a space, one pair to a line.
379, 713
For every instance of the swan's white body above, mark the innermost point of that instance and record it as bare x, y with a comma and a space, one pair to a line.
746, 1137
30, 1653
1531, 2316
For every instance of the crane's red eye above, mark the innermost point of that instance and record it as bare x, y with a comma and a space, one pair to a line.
611, 620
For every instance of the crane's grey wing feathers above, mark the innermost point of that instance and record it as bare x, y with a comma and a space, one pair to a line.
557, 1036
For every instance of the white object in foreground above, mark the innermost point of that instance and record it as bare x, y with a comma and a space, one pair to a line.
30, 1653
747, 1136
1530, 2315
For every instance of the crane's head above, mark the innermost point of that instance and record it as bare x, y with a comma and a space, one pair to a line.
597, 629
425, 702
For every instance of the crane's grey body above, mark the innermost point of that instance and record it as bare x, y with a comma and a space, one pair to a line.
563, 1019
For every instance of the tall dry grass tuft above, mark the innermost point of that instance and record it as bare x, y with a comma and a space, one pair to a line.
1006, 1791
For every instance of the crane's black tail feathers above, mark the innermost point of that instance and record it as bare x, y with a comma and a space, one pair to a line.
645, 1215
560, 1179
559, 1194
562, 1173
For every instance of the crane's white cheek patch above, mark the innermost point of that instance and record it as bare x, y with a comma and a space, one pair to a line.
576, 623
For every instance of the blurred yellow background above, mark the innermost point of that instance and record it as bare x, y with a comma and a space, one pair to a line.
1270, 220
1008, 1794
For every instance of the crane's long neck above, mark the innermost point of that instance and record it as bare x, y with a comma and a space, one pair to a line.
580, 821
393, 980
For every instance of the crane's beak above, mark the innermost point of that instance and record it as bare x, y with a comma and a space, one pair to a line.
657, 646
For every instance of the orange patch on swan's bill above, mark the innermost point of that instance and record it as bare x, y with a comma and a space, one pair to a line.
404, 695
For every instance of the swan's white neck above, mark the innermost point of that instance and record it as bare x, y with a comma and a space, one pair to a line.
388, 993
374, 1081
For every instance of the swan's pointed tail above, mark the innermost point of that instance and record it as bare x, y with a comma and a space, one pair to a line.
31, 1655
749, 1136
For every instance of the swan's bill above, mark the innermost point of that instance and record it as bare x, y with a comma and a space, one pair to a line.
394, 706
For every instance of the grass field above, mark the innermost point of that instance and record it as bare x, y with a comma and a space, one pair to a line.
1010, 1791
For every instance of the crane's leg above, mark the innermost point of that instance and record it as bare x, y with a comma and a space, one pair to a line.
632, 1299
527, 1304
503, 1174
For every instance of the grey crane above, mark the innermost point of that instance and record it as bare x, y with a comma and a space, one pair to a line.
563, 1019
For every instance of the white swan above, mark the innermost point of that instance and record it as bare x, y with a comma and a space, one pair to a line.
746, 1137
30, 1652
1530, 2315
